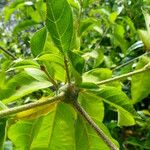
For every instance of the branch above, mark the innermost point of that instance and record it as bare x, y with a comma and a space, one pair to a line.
145, 69
89, 120
8, 53
11, 111
130, 61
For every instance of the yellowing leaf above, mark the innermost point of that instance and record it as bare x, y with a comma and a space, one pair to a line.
36, 112
145, 37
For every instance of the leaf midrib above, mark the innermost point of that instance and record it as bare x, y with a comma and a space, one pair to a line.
55, 22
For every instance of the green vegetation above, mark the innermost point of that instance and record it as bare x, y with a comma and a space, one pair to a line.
75, 75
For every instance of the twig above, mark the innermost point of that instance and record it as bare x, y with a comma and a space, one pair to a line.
11, 111
130, 61
8, 53
50, 78
67, 70
89, 120
146, 68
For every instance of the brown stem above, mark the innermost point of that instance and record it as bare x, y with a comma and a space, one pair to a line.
130, 61
11, 111
67, 70
89, 120
8, 53
144, 69
50, 78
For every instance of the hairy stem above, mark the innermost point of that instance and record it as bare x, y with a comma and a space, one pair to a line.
89, 120
11, 111
130, 61
67, 70
8, 53
145, 69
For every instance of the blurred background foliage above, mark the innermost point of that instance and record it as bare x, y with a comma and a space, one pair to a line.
109, 38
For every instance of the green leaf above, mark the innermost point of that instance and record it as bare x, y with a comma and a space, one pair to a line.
3, 126
96, 75
24, 63
21, 85
38, 41
55, 131
24, 25
13, 6
140, 84
147, 19
2, 78
89, 85
60, 23
97, 57
119, 39
77, 61
2, 106
27, 89
145, 34
121, 102
94, 107
52, 58
85, 24
77, 66
37, 74
74, 4
56, 71
145, 37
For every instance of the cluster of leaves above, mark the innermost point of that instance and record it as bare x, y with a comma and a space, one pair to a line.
82, 42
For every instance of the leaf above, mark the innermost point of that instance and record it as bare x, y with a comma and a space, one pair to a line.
113, 16
97, 57
52, 58
60, 23
140, 84
37, 112
38, 41
147, 19
56, 71
121, 102
145, 37
3, 126
13, 6
37, 74
21, 85
145, 34
24, 63
89, 85
54, 131
94, 107
24, 25
119, 39
27, 89
2, 78
74, 4
85, 24
96, 75
77, 61
2, 106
